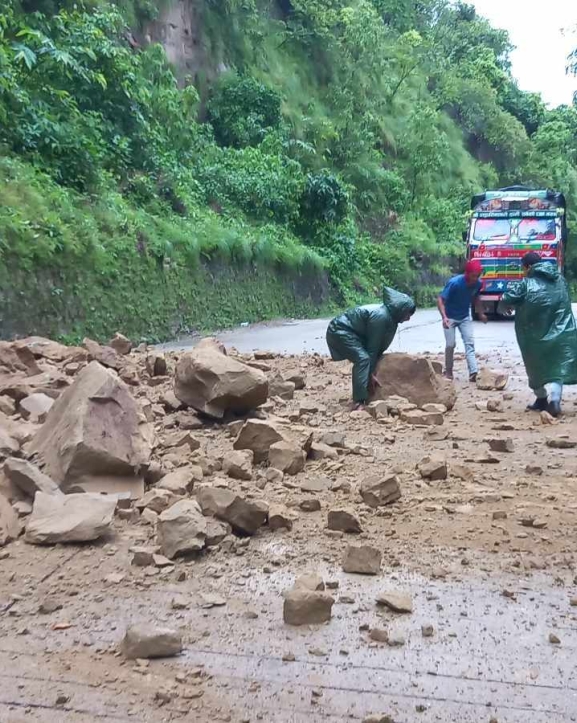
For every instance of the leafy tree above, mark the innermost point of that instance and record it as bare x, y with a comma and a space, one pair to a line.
242, 111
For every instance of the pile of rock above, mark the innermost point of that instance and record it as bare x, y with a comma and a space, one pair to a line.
96, 432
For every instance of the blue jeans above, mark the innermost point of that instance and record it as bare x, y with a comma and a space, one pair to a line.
555, 392
465, 327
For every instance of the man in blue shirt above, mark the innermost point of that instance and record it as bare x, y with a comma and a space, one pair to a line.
454, 303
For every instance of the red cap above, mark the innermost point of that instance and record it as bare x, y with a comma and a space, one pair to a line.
474, 266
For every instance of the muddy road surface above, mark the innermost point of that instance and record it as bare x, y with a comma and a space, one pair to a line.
485, 555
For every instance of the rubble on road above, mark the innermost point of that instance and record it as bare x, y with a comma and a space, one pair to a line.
69, 518
181, 528
491, 380
143, 641
93, 433
304, 607
213, 383
415, 379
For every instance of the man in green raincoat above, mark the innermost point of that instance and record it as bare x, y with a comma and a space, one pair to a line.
362, 334
546, 331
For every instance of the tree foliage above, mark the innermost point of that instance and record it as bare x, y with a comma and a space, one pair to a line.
353, 132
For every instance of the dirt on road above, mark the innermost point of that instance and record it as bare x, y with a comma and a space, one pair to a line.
485, 555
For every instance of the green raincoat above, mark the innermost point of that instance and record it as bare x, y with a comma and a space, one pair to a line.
361, 335
545, 326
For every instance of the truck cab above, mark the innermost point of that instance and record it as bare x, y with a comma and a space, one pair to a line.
507, 223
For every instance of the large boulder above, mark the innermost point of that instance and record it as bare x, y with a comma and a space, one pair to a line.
28, 478
181, 528
95, 432
213, 383
415, 379
69, 518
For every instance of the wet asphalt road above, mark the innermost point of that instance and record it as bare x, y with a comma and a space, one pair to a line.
422, 334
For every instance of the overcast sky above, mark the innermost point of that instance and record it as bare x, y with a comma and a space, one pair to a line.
544, 33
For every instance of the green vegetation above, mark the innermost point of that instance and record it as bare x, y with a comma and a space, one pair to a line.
345, 138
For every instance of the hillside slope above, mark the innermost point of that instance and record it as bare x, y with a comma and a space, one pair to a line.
284, 141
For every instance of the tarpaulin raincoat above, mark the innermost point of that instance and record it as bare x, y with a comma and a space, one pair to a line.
362, 334
545, 326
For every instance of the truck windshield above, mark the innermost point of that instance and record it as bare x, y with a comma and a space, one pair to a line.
537, 229
496, 230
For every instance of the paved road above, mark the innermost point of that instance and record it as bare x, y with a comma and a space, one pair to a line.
422, 334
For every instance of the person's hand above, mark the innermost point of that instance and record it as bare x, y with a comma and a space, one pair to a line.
374, 381
446, 323
483, 318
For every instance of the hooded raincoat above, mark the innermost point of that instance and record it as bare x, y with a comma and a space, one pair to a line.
545, 326
362, 334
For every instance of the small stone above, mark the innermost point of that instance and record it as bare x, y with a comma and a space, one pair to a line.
62, 699
334, 439
311, 505
534, 469
309, 581
503, 444
379, 635
427, 631
553, 639
288, 658
499, 515
35, 407
319, 451
238, 464
380, 491
274, 475
363, 559
422, 418
398, 602
120, 344
494, 405
156, 365
396, 640
156, 500
433, 468
305, 607
143, 641
279, 517
143, 556
47, 607
179, 603
289, 457
561, 443
343, 520
489, 380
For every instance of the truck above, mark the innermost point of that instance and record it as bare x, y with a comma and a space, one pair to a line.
507, 223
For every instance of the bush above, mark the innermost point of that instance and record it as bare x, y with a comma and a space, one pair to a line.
242, 111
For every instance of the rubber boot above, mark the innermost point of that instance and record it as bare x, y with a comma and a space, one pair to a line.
539, 405
554, 409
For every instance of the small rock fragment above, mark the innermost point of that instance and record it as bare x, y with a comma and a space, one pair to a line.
143, 641
433, 468
398, 602
363, 559
344, 520
380, 491
305, 607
